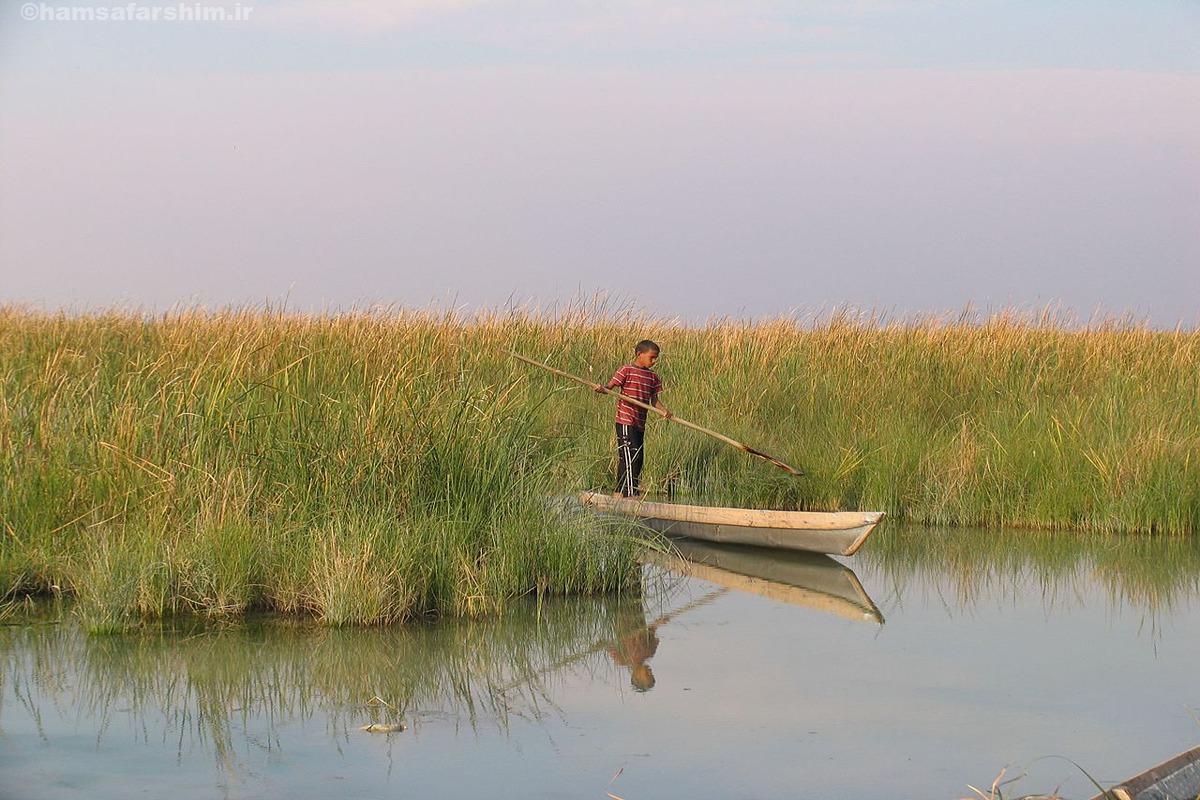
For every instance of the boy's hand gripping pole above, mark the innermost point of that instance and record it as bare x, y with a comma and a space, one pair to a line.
745, 448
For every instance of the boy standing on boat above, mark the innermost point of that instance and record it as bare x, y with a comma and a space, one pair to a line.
639, 382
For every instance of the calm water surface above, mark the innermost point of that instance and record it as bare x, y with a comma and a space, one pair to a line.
939, 660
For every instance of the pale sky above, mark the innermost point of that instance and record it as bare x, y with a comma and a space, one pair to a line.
692, 158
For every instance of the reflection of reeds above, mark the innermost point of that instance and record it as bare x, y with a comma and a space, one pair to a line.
1150, 574
203, 683
209, 458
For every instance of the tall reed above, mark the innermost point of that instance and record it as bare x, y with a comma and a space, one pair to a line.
256, 459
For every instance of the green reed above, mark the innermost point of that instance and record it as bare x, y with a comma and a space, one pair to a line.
374, 467
360, 469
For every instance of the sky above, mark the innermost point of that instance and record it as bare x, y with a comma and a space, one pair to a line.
693, 160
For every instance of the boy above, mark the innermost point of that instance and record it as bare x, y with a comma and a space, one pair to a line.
638, 381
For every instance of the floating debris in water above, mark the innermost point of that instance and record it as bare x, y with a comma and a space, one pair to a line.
383, 727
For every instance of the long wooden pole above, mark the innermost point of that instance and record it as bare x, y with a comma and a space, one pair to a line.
745, 448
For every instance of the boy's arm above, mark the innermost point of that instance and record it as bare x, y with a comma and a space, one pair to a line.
657, 402
618, 379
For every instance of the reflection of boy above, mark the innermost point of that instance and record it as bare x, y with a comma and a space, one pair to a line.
638, 381
633, 650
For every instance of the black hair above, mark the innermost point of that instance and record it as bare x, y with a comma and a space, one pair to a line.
644, 345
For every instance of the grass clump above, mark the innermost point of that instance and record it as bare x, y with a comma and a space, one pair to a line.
355, 577
222, 462
117, 580
363, 469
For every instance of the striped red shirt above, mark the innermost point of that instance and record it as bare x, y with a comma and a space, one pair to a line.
640, 384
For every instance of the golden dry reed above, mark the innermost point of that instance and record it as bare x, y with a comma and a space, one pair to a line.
369, 467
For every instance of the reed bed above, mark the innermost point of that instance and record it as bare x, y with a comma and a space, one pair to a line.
372, 467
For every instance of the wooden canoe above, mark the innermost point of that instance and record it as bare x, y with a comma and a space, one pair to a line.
1175, 779
809, 580
833, 533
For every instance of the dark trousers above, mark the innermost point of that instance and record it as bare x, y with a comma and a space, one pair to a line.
630, 452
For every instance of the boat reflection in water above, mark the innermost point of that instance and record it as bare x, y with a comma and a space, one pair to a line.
801, 579
809, 580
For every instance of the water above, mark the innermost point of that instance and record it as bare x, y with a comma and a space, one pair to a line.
941, 659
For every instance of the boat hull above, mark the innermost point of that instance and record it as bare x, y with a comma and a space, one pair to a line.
831, 533
1175, 779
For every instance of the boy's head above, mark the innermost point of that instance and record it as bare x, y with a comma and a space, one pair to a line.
645, 353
